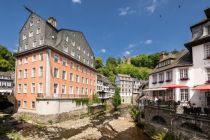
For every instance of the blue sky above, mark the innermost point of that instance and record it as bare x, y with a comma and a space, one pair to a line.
112, 27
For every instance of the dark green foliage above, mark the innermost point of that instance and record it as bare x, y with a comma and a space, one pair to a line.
82, 101
116, 99
134, 112
7, 60
98, 63
96, 99
169, 136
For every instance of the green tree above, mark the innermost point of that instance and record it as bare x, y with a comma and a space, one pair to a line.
116, 99
134, 112
98, 63
7, 60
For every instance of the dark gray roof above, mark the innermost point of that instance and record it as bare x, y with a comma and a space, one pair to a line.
181, 59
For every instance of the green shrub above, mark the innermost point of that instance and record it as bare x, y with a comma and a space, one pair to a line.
134, 112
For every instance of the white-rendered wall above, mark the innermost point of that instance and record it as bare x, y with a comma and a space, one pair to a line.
47, 107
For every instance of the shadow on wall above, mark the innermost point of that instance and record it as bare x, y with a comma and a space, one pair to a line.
159, 120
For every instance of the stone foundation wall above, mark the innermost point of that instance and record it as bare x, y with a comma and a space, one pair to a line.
46, 119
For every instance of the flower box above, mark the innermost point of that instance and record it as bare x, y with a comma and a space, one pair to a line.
208, 81
161, 81
154, 82
208, 57
184, 79
169, 80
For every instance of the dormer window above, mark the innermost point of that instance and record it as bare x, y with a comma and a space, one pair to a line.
41, 41
73, 43
26, 46
34, 43
31, 23
72, 53
67, 39
38, 31
24, 36
30, 33
65, 48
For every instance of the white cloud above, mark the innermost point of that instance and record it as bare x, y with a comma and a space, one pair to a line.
152, 7
132, 45
126, 53
149, 41
77, 1
125, 11
103, 50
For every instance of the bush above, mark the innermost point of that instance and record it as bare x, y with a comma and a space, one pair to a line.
134, 112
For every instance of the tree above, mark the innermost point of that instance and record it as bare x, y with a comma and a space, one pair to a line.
7, 60
116, 99
98, 63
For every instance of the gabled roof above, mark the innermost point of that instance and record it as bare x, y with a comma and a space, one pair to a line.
181, 59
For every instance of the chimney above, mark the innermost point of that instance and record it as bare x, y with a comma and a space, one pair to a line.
162, 56
207, 12
52, 21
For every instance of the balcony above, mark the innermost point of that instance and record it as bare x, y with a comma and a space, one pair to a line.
184, 78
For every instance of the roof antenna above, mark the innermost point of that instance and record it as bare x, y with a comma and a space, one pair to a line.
29, 10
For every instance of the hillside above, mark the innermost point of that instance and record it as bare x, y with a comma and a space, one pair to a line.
7, 60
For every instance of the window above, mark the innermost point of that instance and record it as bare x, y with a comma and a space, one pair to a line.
33, 104
67, 39
41, 41
25, 73
33, 72
26, 60
56, 73
24, 36
40, 71
184, 94
26, 46
31, 23
34, 58
19, 88
34, 43
20, 48
77, 67
72, 65
90, 82
77, 78
77, 90
33, 88
154, 78
161, 77
30, 33
71, 77
168, 76
56, 58
19, 103
63, 89
208, 74
86, 91
25, 88
90, 91
64, 75
72, 53
41, 58
25, 104
20, 74
70, 90
20, 61
183, 74
86, 81
78, 56
55, 88
40, 88
38, 31
65, 48
82, 90
83, 80
64, 61
207, 51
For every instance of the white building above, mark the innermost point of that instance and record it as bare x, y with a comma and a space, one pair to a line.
129, 88
105, 89
185, 76
125, 83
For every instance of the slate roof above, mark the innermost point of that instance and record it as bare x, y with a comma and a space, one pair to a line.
181, 59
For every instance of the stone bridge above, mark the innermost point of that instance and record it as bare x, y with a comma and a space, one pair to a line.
180, 124
6, 101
